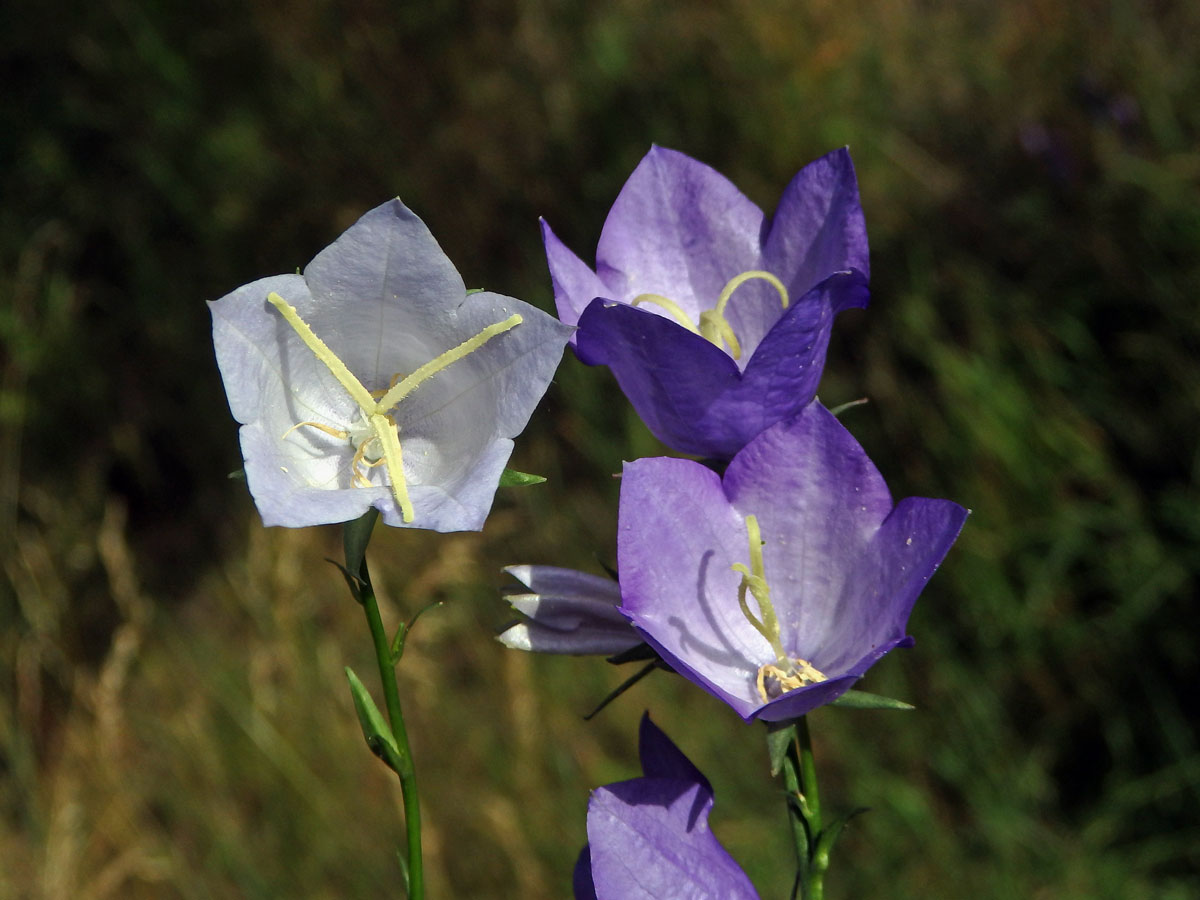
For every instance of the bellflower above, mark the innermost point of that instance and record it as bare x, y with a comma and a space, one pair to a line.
648, 838
715, 321
777, 587
375, 379
568, 612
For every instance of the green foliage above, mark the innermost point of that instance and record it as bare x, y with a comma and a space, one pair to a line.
175, 723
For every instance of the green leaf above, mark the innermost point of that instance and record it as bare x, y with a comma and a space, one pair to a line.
404, 629
863, 700
513, 478
779, 736
374, 727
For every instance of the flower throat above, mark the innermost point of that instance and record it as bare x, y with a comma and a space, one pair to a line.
714, 326
376, 438
786, 673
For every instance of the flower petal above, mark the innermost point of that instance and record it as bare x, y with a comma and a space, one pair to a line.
575, 285
678, 228
819, 228
677, 539
649, 837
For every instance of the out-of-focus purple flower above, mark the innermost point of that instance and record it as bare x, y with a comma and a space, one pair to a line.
648, 838
714, 321
374, 379
776, 588
568, 612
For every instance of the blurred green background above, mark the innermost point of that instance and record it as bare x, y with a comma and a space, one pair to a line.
173, 717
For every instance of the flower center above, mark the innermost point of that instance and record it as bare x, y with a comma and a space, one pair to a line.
375, 436
786, 673
714, 326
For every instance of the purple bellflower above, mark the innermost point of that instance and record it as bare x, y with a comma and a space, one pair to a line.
648, 838
567, 612
777, 587
375, 379
715, 321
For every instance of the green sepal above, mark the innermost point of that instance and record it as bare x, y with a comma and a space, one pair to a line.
471, 291
356, 584
374, 728
623, 687
838, 410
640, 653
863, 700
237, 475
513, 478
355, 536
779, 736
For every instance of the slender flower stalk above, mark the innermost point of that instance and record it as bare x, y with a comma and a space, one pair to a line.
397, 752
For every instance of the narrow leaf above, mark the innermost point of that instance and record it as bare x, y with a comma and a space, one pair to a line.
513, 478
827, 837
863, 700
374, 727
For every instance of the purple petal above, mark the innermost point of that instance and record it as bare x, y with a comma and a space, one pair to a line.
690, 393
818, 228
575, 284
581, 877
677, 539
819, 501
650, 839
678, 228
660, 757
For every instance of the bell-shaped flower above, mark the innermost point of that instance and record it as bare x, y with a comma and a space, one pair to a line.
778, 586
567, 612
715, 321
648, 838
375, 379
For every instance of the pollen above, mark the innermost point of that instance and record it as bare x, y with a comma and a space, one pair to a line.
775, 680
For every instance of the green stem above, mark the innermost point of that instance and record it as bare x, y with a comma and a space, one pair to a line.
794, 756
810, 807
365, 594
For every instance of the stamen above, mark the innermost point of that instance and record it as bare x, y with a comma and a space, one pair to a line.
775, 681
332, 432
672, 307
